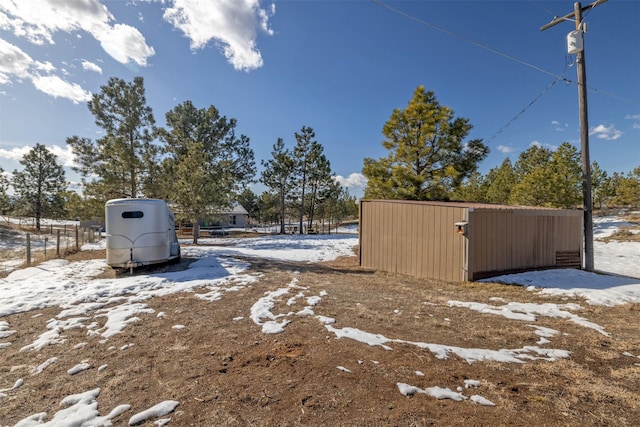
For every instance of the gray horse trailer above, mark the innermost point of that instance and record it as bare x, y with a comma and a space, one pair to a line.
140, 232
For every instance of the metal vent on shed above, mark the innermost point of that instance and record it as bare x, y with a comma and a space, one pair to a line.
568, 259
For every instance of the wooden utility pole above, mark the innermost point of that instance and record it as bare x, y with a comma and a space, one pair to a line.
587, 204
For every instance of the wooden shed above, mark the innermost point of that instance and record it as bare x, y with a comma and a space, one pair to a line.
456, 241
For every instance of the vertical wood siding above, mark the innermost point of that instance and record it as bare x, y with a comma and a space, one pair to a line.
412, 238
420, 239
520, 239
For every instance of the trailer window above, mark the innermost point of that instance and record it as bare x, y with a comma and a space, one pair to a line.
132, 214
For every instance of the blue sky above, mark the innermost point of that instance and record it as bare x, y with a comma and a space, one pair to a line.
338, 66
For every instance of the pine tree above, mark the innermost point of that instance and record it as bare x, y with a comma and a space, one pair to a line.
208, 165
499, 183
123, 159
613, 185
304, 155
336, 205
546, 178
566, 177
41, 184
277, 176
533, 183
627, 187
268, 208
599, 179
249, 200
319, 179
5, 202
427, 157
530, 159
473, 189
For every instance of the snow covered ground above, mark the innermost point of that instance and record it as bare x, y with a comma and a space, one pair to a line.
72, 286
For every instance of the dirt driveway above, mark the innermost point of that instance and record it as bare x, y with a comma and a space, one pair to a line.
225, 371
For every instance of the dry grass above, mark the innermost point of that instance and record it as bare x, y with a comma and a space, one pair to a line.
226, 372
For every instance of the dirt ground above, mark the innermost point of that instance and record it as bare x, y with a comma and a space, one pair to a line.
225, 371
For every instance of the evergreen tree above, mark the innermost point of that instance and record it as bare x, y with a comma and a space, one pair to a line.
546, 178
306, 155
268, 208
83, 207
499, 183
627, 187
123, 159
613, 185
249, 200
599, 180
337, 205
531, 170
319, 179
566, 177
530, 159
277, 176
208, 164
427, 157
5, 202
472, 189
41, 184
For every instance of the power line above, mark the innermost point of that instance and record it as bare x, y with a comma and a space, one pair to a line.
494, 51
521, 112
465, 39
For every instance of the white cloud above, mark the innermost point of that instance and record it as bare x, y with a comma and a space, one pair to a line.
47, 66
560, 127
541, 145
16, 154
231, 24
125, 44
636, 120
38, 21
13, 61
90, 66
355, 180
505, 149
64, 154
56, 87
609, 133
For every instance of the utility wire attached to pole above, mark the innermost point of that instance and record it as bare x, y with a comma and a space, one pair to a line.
587, 204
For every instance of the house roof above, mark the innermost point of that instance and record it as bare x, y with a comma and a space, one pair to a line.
237, 209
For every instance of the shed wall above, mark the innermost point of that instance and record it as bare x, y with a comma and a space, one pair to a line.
518, 239
420, 239
412, 238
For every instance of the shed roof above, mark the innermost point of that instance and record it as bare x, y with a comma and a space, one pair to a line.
479, 206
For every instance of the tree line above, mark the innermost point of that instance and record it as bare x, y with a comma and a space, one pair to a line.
202, 166
428, 159
198, 163
542, 177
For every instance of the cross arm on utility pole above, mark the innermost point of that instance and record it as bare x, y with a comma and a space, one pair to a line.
571, 15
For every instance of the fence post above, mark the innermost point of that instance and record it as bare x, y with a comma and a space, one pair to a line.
58, 243
28, 250
77, 241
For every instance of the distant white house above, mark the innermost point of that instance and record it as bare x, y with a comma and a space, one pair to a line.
236, 217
